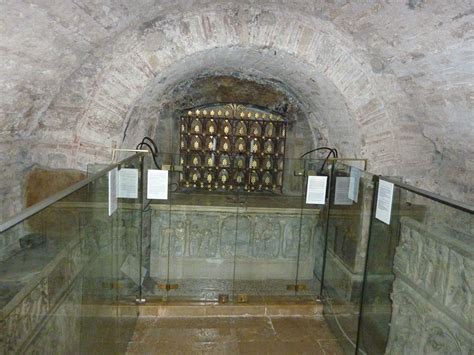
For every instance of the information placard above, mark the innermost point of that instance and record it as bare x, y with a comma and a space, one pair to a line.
113, 204
316, 190
157, 185
128, 183
384, 201
354, 180
342, 191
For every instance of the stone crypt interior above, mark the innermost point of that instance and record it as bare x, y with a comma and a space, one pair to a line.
233, 111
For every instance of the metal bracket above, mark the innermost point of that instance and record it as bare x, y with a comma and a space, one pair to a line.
168, 287
297, 287
242, 298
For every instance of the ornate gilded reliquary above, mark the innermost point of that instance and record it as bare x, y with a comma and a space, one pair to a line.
226, 147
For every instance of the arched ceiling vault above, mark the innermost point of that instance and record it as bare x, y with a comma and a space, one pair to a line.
389, 81
309, 55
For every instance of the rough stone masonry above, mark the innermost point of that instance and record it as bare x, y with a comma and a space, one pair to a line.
387, 81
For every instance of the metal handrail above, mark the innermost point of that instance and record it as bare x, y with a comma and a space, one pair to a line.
37, 207
433, 196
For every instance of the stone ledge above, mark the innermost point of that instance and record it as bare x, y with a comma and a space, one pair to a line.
198, 309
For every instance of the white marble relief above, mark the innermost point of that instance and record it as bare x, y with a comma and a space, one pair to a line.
460, 287
432, 294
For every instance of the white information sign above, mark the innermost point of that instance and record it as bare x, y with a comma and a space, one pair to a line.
128, 183
316, 190
354, 184
342, 191
157, 185
384, 201
113, 204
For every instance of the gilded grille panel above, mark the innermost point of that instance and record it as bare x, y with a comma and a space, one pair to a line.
227, 147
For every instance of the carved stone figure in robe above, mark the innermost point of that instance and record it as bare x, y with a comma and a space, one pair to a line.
165, 237
439, 341
428, 260
462, 298
266, 241
179, 239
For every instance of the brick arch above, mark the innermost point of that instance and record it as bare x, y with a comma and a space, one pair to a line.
110, 82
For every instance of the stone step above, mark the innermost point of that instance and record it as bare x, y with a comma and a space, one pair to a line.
206, 309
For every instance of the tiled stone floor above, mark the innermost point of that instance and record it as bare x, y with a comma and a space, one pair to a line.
232, 335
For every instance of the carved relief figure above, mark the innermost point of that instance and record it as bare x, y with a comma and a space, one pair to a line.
440, 275
440, 341
267, 240
463, 295
413, 255
461, 285
428, 260
406, 325
402, 255
179, 236
291, 239
165, 237
228, 236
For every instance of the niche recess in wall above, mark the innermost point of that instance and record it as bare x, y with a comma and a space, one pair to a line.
232, 146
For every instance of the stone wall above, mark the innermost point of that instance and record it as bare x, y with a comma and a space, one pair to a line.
49, 304
43, 309
433, 311
388, 81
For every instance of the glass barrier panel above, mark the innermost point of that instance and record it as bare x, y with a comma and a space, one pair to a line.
419, 280
347, 219
59, 277
312, 231
192, 233
269, 224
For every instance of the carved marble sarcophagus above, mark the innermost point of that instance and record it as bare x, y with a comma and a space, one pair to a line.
225, 242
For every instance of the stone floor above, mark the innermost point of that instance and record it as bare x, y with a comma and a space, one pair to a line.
233, 335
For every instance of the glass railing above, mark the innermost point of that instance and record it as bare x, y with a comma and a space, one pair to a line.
211, 237
419, 275
397, 286
73, 267
62, 267
347, 217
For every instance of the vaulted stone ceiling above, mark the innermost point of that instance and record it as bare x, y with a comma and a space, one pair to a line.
391, 81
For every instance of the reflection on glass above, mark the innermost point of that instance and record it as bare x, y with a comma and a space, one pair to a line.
210, 159
254, 146
254, 162
211, 143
